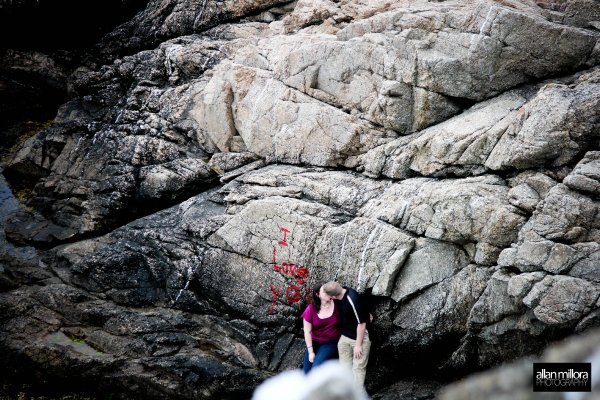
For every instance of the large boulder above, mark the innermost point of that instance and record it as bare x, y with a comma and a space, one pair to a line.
439, 157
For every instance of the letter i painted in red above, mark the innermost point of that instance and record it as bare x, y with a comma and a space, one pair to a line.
284, 241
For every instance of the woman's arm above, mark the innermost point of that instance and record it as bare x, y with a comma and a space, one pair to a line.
308, 340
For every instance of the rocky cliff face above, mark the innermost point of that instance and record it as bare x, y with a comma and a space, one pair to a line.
441, 156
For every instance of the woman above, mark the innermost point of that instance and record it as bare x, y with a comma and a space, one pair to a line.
321, 329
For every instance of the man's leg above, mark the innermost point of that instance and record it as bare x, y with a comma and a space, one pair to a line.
359, 366
346, 351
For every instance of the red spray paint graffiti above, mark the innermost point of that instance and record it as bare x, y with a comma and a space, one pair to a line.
284, 241
293, 292
291, 269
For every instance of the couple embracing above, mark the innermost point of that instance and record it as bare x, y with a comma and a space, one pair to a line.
336, 324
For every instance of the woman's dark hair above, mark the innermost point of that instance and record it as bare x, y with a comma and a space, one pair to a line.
316, 300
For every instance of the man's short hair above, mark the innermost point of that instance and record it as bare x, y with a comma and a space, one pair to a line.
332, 288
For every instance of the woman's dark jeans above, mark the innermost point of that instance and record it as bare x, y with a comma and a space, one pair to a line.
323, 351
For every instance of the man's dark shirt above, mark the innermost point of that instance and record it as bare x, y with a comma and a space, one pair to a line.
349, 321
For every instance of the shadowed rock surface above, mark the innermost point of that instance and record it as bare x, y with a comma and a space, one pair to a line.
515, 380
213, 159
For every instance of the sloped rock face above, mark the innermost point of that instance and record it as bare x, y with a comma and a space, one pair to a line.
515, 380
440, 156
43, 41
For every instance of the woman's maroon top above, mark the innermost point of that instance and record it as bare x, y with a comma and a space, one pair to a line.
323, 329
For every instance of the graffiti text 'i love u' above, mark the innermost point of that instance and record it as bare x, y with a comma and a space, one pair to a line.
291, 270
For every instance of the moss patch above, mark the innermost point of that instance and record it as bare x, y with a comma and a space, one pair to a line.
23, 131
24, 392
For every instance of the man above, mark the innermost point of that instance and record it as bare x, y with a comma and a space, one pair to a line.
354, 344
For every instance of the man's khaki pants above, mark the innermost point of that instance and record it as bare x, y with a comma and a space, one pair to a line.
359, 366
